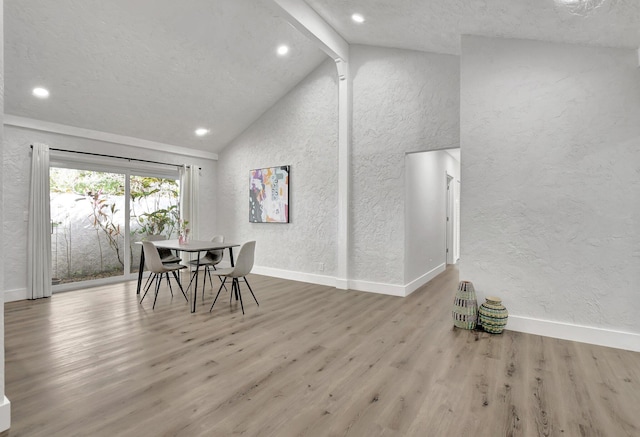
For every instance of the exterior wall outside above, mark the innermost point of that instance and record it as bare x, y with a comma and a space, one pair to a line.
426, 211
301, 130
403, 101
551, 144
17, 170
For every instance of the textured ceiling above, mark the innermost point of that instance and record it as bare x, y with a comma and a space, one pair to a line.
157, 69
151, 69
436, 25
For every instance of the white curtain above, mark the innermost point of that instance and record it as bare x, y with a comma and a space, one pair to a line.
189, 194
39, 233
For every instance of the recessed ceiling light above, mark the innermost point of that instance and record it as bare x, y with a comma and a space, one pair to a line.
40, 92
201, 131
357, 18
283, 50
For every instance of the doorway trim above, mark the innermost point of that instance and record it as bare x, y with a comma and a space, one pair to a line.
450, 220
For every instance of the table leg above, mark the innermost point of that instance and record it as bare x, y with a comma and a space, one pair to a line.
140, 271
194, 292
232, 265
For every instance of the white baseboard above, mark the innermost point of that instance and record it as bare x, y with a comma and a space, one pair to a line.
295, 276
331, 281
397, 290
5, 414
582, 334
17, 294
342, 283
422, 280
377, 287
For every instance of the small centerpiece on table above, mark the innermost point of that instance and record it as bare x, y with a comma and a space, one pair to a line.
183, 236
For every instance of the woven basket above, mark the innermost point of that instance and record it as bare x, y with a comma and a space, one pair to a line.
465, 306
493, 315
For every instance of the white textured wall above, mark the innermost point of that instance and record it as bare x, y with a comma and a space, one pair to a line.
551, 179
402, 101
301, 130
426, 211
16, 174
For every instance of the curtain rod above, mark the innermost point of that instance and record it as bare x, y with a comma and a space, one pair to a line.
117, 157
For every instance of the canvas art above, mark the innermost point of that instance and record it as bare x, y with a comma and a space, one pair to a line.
269, 195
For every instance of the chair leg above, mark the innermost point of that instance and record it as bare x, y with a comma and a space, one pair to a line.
208, 272
239, 293
218, 294
149, 279
234, 290
254, 296
169, 282
147, 286
158, 281
175, 275
204, 281
219, 277
192, 278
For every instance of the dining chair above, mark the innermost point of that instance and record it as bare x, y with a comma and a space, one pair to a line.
209, 261
166, 255
243, 266
155, 265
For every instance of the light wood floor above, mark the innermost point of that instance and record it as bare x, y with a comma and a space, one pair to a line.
311, 360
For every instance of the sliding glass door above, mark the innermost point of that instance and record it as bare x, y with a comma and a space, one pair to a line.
153, 211
97, 216
87, 224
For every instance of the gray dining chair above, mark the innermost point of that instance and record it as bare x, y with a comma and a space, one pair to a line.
166, 256
209, 261
155, 265
243, 266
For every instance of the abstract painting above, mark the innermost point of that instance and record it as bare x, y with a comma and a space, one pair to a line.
269, 195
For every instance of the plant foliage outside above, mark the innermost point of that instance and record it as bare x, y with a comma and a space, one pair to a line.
88, 220
149, 196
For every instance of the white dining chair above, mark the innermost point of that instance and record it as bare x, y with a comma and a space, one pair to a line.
155, 265
166, 255
209, 261
243, 266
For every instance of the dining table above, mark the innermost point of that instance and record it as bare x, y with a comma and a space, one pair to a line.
191, 246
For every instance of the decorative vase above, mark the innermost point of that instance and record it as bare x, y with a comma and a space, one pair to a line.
465, 306
493, 315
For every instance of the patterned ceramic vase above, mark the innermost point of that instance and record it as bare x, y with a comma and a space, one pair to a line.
493, 315
465, 306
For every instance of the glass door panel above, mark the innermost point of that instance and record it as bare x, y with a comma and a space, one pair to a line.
153, 211
87, 224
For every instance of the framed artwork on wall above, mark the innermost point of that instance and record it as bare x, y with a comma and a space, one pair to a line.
269, 195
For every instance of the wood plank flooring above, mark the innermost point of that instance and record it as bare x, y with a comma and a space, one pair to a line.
310, 361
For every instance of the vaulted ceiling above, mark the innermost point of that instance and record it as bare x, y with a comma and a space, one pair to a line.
158, 69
